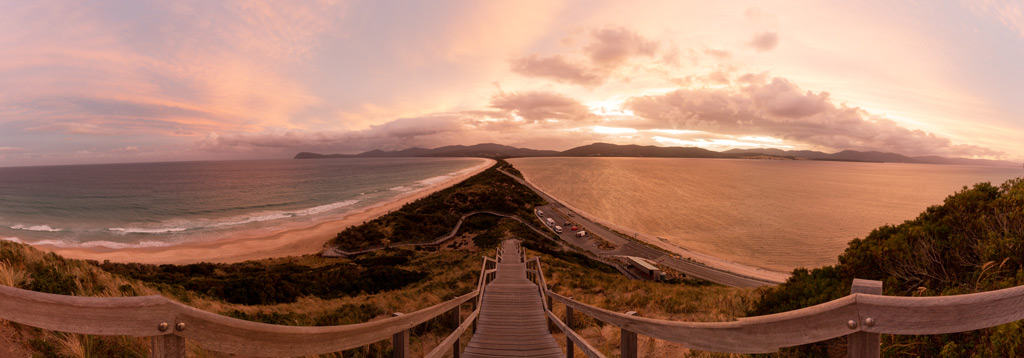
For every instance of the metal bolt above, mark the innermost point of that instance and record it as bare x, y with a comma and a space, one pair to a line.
870, 322
180, 326
163, 326
852, 324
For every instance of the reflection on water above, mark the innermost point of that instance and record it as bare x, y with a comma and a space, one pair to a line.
773, 214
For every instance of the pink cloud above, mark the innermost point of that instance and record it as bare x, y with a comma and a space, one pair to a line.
539, 106
607, 50
611, 47
764, 41
778, 108
1009, 12
556, 68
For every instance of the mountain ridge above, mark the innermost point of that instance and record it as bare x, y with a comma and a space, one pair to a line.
493, 150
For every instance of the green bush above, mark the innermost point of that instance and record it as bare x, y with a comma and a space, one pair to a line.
973, 242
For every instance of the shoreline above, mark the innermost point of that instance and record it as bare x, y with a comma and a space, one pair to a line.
290, 242
703, 258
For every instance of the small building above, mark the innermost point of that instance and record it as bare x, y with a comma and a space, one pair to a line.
646, 269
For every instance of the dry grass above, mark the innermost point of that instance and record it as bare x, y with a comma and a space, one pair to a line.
11, 275
649, 299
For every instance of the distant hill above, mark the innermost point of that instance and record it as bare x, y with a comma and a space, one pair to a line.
485, 150
870, 156
615, 150
492, 150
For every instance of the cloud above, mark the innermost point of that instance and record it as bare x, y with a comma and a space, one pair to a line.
1009, 12
764, 41
606, 51
556, 68
540, 106
610, 47
525, 118
777, 108
717, 53
396, 134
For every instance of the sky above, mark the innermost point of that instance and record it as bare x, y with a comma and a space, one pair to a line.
130, 81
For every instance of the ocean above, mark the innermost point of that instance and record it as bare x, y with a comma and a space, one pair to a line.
774, 214
162, 204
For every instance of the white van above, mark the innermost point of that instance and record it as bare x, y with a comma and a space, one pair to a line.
558, 229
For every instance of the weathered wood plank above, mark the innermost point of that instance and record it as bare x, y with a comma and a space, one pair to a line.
512, 318
230, 335
762, 334
864, 344
941, 314
167, 346
109, 316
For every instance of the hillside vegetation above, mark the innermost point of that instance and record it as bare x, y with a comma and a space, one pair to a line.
428, 218
973, 242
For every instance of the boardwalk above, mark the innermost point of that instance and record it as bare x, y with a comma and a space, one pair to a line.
512, 321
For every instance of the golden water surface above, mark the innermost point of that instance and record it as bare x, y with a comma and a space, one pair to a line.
777, 214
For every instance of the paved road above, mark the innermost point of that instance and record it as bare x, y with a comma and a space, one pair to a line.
629, 247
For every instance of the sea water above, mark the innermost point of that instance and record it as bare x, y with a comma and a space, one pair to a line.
162, 204
779, 214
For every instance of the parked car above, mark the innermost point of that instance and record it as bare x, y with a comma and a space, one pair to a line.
558, 229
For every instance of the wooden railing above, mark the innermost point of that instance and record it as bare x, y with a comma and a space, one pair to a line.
861, 316
170, 324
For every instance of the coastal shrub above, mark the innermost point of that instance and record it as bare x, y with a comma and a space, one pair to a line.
385, 258
51, 279
434, 216
253, 283
973, 242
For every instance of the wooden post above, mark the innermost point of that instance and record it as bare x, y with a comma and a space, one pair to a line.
473, 309
168, 346
400, 342
570, 349
457, 313
627, 347
864, 344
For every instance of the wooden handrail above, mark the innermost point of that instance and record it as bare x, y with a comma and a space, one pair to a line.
230, 335
857, 312
589, 350
172, 322
542, 284
446, 344
157, 316
121, 316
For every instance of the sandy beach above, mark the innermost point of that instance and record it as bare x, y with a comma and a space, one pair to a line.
289, 242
